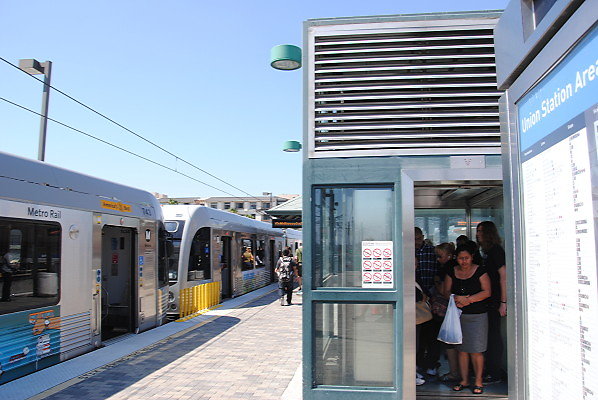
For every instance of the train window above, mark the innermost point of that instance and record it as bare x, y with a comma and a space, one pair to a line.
265, 205
199, 258
213, 205
227, 205
240, 206
29, 264
253, 205
260, 253
247, 255
171, 226
173, 261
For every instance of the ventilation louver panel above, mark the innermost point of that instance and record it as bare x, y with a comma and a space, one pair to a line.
409, 92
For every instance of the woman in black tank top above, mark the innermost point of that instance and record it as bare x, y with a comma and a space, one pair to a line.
471, 286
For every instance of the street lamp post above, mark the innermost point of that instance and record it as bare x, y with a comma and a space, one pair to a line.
34, 67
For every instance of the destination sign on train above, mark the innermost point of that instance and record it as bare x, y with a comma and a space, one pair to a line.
286, 223
116, 206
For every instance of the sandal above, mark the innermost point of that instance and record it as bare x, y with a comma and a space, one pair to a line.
477, 390
459, 387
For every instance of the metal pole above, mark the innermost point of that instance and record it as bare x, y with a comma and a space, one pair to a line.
41, 154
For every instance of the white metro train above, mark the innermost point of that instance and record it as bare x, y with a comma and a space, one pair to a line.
209, 246
82, 260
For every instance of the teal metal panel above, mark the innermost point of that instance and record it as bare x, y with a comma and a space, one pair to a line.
356, 172
359, 172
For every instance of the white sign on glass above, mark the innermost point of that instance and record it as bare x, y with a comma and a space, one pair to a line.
376, 264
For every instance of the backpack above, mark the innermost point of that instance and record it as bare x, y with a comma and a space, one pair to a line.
284, 272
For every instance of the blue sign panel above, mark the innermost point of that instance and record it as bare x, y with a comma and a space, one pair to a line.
558, 132
568, 90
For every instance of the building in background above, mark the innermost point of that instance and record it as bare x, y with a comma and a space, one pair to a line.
254, 207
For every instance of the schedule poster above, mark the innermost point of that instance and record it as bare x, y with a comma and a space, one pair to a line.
376, 264
559, 170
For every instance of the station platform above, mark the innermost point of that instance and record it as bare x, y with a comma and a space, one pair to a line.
249, 348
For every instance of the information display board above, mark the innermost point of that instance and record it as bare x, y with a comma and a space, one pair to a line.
558, 129
376, 264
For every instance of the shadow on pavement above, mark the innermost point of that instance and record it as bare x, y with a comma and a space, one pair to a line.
269, 299
119, 375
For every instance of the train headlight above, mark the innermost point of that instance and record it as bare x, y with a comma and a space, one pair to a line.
170, 297
173, 306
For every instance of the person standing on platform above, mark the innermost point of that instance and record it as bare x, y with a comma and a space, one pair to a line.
419, 296
471, 286
286, 269
492, 257
299, 261
446, 259
428, 351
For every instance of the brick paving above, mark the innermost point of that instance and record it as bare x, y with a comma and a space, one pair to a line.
250, 352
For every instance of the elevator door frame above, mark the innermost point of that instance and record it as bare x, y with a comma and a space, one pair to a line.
409, 179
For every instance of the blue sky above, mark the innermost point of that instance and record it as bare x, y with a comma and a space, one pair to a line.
191, 75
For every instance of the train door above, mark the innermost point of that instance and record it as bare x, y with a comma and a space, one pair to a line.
227, 287
445, 210
273, 260
118, 282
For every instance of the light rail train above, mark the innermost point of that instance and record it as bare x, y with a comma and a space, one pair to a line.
209, 246
84, 261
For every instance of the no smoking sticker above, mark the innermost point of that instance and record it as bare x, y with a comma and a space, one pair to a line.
377, 264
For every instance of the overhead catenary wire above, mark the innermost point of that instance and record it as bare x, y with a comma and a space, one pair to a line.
126, 129
117, 147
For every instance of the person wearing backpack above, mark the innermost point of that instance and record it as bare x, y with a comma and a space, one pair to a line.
286, 269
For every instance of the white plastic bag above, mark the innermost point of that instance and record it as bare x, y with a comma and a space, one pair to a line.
450, 330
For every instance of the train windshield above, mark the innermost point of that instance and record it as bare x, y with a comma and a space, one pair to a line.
173, 262
174, 228
165, 252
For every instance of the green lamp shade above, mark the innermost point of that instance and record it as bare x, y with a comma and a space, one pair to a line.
291, 146
286, 57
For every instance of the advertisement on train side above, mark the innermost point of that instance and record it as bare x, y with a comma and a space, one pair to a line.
558, 131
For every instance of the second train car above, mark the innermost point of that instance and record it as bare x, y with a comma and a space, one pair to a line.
209, 245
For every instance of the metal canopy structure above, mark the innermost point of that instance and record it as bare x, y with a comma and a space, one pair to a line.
287, 214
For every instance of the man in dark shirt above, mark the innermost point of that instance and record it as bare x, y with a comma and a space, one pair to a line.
428, 263
427, 268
